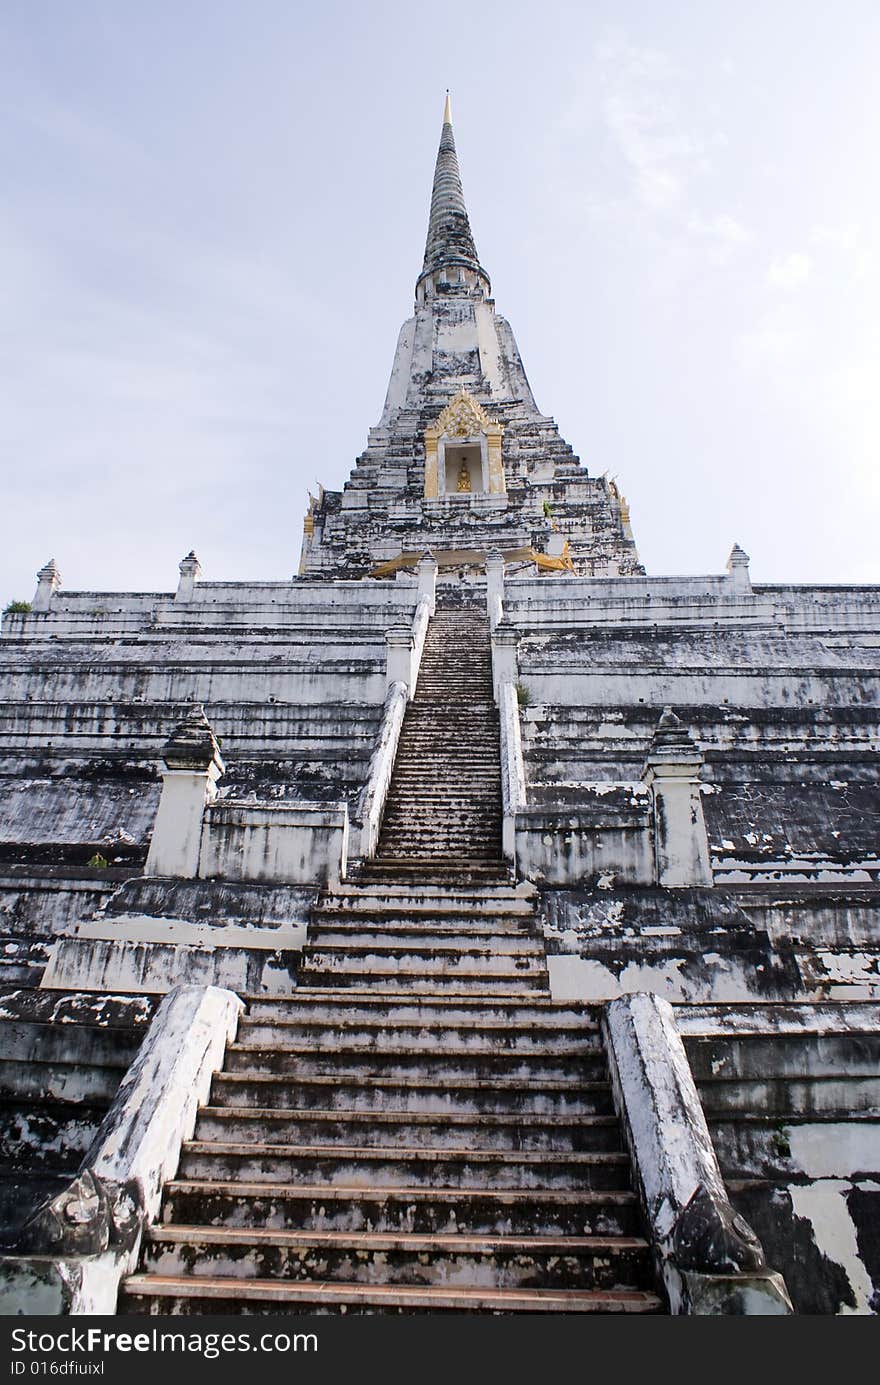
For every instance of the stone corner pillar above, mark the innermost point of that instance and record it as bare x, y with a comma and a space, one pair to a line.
191, 766
427, 573
505, 666
190, 570
48, 583
495, 587
738, 569
399, 656
672, 772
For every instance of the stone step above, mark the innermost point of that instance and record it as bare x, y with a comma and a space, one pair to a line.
157, 1294
435, 735
466, 692
549, 1212
454, 920
409, 812
458, 871
457, 766
410, 803
430, 786
406, 827
444, 723
507, 952
428, 826
436, 781
369, 1061
427, 944
406, 867
517, 937
477, 714
500, 898
454, 710
387, 1258
412, 850
459, 652
472, 798
386, 1034
785, 1055
437, 1095
391, 1129
436, 819
440, 787
27, 1041
440, 729
428, 820
346, 1006
399, 923
58, 1081
468, 669
428, 983
334, 1164
790, 1096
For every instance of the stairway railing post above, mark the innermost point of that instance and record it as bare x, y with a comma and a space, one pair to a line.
399, 656
427, 570
708, 1257
505, 665
495, 587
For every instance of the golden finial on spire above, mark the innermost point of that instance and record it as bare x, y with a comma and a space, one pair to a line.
447, 109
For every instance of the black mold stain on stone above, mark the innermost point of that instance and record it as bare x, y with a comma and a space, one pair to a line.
864, 1208
815, 1283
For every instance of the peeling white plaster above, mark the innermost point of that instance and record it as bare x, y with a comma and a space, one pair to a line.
824, 1206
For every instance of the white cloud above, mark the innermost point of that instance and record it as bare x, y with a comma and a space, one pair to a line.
726, 228
790, 271
639, 112
773, 342
838, 237
722, 236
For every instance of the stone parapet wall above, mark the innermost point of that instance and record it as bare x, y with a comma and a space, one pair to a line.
792, 1097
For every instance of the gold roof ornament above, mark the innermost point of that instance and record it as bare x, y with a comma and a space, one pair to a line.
545, 563
463, 417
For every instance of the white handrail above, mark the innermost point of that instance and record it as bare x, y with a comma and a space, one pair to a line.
385, 753
513, 778
381, 766
419, 631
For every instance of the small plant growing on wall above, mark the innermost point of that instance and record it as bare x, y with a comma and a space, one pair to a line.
17, 608
523, 696
548, 510
98, 862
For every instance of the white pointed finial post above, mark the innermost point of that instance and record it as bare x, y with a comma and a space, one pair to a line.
48, 582
189, 569
447, 109
738, 569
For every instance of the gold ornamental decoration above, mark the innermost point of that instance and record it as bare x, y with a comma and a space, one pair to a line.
464, 417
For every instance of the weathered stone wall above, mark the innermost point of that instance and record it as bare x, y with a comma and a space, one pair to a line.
62, 1057
792, 1097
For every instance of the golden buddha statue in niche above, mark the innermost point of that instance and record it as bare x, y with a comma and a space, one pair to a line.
464, 477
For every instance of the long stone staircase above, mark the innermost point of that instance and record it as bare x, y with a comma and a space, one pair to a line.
444, 802
418, 1127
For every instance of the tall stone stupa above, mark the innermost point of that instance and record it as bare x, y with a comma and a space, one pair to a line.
469, 923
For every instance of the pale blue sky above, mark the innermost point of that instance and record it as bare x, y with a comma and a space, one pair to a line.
214, 215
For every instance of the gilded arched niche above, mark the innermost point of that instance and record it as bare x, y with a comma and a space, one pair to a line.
463, 422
